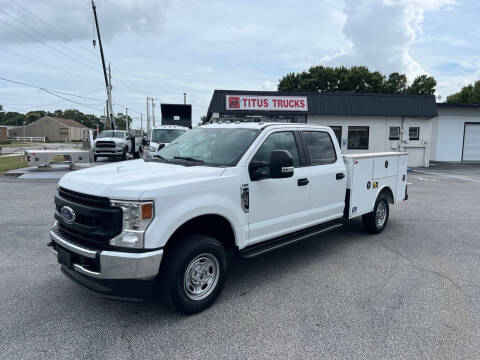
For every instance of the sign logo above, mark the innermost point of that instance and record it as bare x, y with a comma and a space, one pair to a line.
68, 215
234, 102
266, 103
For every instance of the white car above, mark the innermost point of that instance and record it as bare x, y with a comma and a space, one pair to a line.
243, 189
161, 136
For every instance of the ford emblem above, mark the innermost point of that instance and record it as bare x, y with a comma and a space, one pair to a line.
68, 215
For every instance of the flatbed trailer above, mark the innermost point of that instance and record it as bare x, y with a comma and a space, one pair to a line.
43, 158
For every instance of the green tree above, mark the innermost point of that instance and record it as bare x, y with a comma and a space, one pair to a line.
469, 94
396, 83
422, 85
357, 79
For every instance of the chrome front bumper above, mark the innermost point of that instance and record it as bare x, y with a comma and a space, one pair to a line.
114, 265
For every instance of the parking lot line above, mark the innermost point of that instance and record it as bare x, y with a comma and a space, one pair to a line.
448, 176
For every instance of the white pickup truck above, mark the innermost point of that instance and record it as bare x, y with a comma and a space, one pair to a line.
168, 222
117, 143
161, 136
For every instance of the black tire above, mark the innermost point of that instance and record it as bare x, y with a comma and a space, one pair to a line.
177, 287
95, 157
124, 154
371, 221
136, 155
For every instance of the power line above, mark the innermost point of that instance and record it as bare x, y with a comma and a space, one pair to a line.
43, 43
55, 93
67, 38
45, 36
48, 65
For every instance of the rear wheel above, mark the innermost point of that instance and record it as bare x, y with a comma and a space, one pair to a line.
95, 157
376, 221
194, 273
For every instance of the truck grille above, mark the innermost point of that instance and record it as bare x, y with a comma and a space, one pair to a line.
96, 221
104, 144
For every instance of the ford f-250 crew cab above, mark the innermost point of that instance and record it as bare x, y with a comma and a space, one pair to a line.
244, 188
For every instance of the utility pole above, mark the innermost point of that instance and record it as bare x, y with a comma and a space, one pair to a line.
110, 120
153, 112
126, 119
148, 120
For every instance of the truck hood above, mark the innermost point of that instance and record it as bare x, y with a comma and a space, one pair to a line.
129, 179
115, 140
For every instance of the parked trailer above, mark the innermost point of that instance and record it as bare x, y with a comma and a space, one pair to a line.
43, 158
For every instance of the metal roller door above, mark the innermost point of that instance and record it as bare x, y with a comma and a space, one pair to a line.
471, 143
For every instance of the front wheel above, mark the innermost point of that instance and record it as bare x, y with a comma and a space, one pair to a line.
376, 221
124, 154
194, 273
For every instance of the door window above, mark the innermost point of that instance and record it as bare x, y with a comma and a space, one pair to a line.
320, 147
277, 141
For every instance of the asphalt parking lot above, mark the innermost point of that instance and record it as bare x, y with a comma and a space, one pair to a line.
412, 292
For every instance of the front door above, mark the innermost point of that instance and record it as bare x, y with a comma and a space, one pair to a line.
278, 206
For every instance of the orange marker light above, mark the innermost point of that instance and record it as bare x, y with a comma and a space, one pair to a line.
147, 211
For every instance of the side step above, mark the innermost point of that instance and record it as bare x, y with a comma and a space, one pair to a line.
270, 245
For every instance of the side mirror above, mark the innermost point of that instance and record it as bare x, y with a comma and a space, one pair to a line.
281, 164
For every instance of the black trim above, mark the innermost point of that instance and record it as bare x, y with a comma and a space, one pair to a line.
129, 290
281, 241
301, 149
346, 209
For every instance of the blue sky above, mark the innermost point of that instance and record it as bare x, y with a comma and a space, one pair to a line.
164, 48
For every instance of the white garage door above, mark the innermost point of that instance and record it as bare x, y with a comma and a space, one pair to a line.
471, 142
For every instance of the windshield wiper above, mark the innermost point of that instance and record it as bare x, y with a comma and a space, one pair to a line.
199, 161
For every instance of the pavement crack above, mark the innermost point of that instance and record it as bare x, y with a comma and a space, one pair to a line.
421, 268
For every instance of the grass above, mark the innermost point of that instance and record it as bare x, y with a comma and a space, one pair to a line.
8, 163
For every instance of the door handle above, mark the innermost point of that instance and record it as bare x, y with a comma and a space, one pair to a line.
302, 182
340, 176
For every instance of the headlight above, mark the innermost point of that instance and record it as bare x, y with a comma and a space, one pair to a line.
137, 215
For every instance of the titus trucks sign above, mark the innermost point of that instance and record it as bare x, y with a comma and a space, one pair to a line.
266, 103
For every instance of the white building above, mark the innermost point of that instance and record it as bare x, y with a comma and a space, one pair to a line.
362, 122
456, 133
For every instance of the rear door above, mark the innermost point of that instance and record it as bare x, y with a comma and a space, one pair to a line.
278, 206
327, 176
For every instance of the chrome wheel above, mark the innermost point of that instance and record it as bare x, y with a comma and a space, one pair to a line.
380, 214
201, 276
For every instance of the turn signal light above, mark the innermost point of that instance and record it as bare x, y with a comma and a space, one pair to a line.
147, 211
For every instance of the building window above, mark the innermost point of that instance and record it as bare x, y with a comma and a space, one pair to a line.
338, 133
358, 138
394, 133
320, 147
413, 133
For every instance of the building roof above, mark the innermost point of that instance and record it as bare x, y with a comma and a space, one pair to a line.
67, 122
340, 103
457, 106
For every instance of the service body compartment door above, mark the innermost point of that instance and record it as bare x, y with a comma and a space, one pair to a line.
360, 184
402, 178
384, 167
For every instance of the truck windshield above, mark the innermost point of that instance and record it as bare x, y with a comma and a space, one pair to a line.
112, 133
211, 146
166, 135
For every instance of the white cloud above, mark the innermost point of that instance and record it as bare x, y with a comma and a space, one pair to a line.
381, 32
